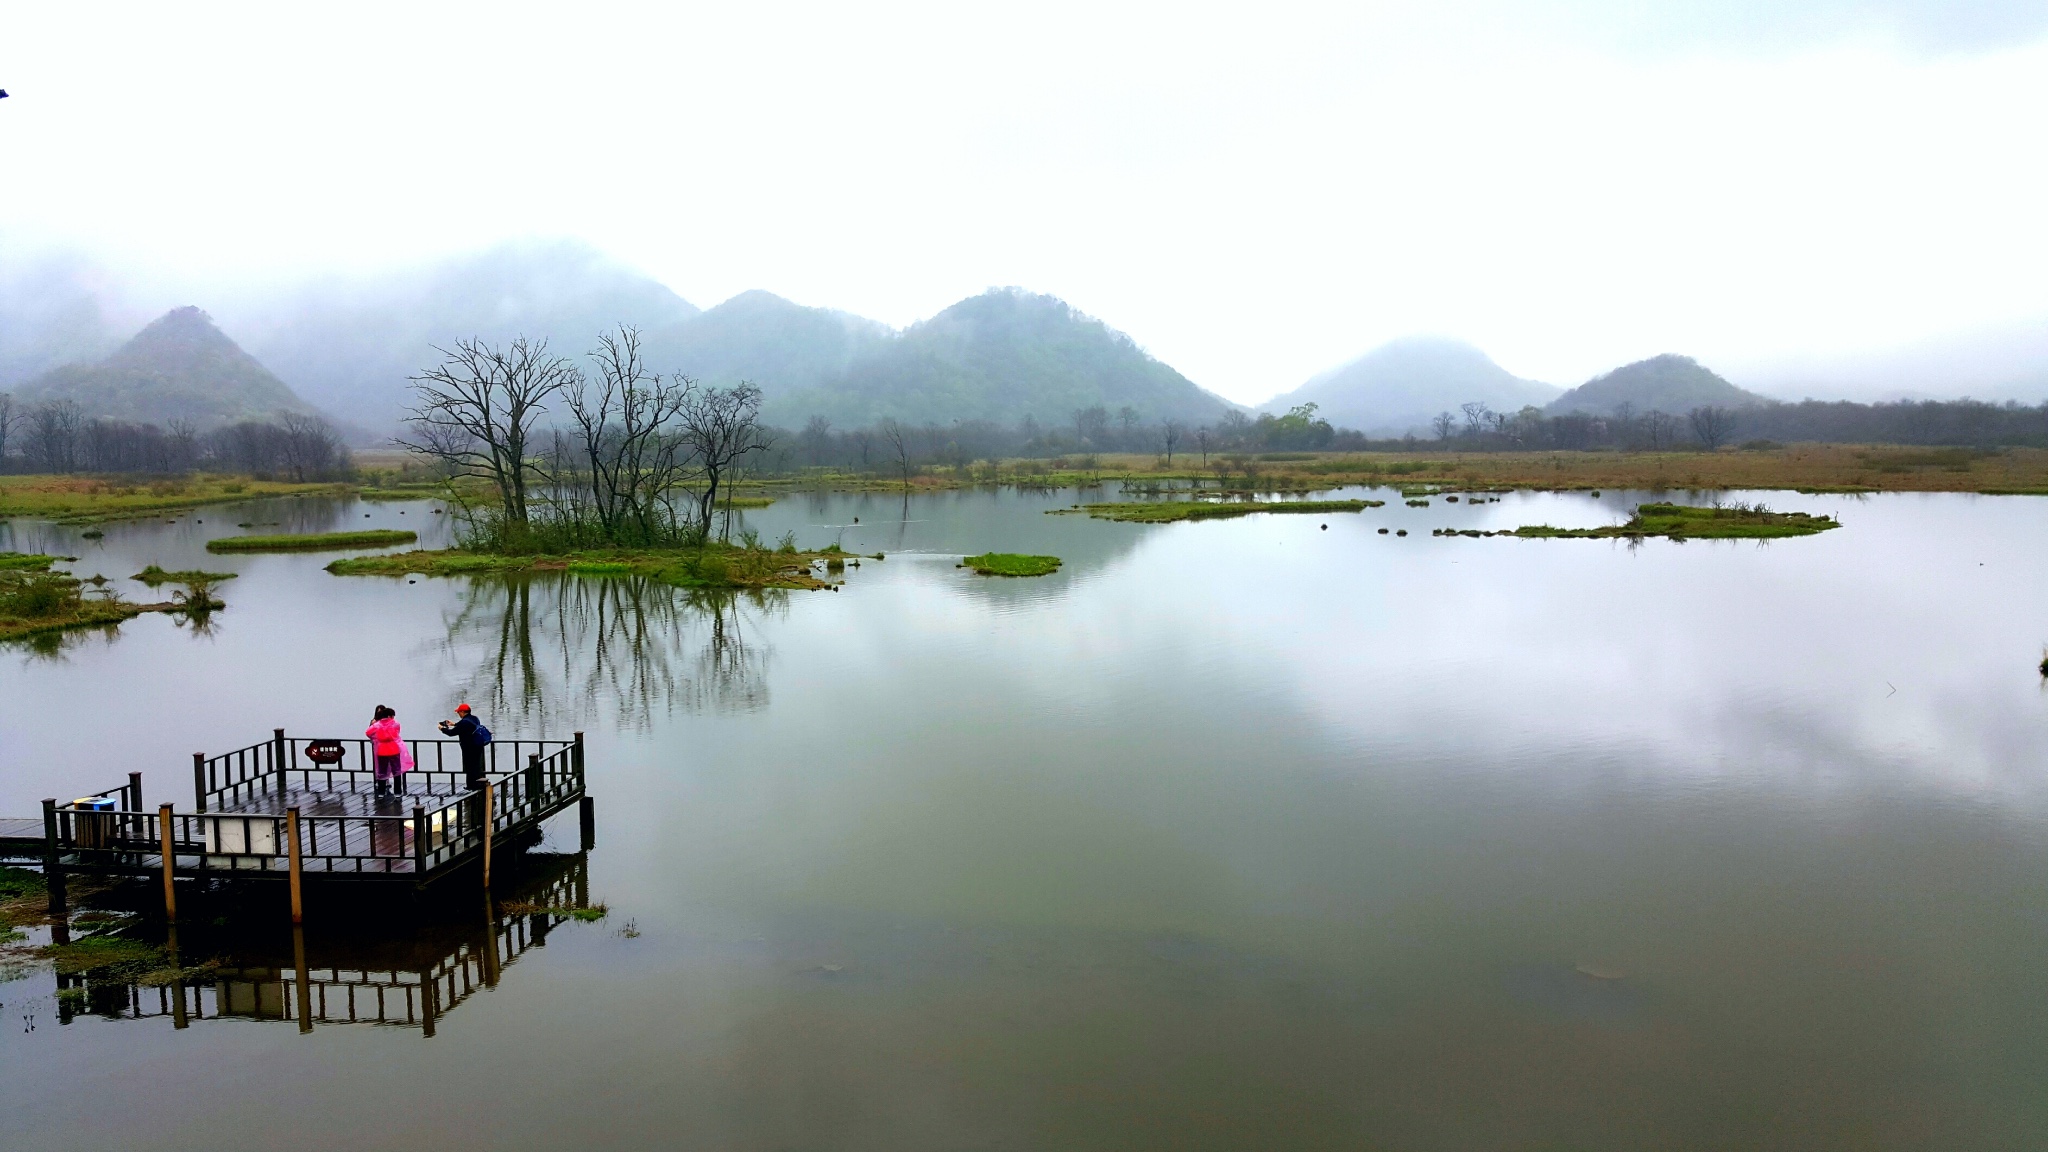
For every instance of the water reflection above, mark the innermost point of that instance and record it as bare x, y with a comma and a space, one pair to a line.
353, 966
546, 651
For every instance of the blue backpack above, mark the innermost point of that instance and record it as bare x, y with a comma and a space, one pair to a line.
483, 735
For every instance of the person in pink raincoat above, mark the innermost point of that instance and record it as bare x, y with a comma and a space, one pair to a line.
389, 749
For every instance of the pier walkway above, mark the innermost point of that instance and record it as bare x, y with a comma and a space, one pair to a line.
307, 808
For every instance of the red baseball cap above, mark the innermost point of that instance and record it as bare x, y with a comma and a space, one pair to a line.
462, 707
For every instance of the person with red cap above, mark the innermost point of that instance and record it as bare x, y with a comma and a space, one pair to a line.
471, 733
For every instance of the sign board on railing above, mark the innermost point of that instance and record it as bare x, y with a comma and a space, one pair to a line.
325, 751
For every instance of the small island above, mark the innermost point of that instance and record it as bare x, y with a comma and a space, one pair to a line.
1688, 522
1170, 511
314, 541
1011, 564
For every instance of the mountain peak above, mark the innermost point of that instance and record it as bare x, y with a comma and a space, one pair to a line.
1398, 386
179, 367
1665, 383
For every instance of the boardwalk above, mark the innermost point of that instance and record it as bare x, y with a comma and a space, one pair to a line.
249, 803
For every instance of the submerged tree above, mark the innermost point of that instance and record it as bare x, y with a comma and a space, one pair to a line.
475, 413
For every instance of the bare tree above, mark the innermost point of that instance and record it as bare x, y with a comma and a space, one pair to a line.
1712, 425
308, 447
632, 450
1444, 424
1476, 413
1661, 427
898, 442
53, 435
1171, 432
863, 440
815, 439
1202, 442
722, 427
1128, 417
475, 413
10, 417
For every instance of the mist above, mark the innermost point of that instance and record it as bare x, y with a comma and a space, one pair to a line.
1254, 201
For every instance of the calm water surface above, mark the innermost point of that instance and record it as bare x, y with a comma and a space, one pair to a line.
1241, 834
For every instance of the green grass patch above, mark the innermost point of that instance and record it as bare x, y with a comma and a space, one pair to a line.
1170, 511
589, 914
86, 499
314, 541
1687, 522
1011, 564
712, 566
154, 576
27, 561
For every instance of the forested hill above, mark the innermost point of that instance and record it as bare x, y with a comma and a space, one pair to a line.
180, 367
1668, 383
758, 336
1399, 386
1003, 355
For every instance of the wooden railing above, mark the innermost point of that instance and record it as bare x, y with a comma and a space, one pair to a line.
246, 775
445, 830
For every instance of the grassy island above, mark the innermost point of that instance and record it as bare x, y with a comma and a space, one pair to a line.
1686, 522
314, 541
714, 565
1011, 564
89, 499
1170, 511
155, 575
36, 600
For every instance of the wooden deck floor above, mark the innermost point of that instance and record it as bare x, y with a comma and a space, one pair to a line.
340, 801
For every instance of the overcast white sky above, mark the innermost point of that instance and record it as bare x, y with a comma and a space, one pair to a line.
1255, 193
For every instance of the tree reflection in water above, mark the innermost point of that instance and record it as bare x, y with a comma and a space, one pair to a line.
545, 651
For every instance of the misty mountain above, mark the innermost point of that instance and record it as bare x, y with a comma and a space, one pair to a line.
1003, 355
349, 346
180, 367
785, 348
1667, 383
1397, 387
2007, 361
54, 311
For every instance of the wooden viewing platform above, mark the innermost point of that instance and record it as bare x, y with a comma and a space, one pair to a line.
271, 810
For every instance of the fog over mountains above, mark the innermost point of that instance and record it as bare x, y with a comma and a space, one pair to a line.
1398, 387
346, 346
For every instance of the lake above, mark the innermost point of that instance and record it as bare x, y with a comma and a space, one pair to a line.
1263, 833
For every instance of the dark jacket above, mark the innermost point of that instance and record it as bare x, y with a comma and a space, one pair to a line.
464, 730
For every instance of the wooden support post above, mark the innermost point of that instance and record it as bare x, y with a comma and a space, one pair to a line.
131, 801
291, 831
429, 1001
490, 944
53, 868
487, 834
586, 815
420, 845
576, 758
199, 781
163, 819
533, 789
299, 967
278, 759
179, 1018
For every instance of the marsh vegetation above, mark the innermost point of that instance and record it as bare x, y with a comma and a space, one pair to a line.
1170, 511
1011, 564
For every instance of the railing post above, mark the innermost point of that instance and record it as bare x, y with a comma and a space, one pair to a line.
163, 816
199, 781
576, 758
419, 843
53, 872
488, 788
134, 792
278, 759
533, 790
291, 831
